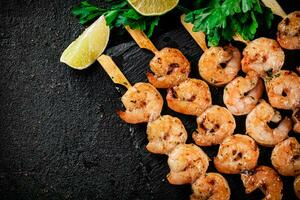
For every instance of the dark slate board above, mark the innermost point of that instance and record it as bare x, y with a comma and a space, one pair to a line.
60, 137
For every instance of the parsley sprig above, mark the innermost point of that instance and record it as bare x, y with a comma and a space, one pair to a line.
118, 15
223, 18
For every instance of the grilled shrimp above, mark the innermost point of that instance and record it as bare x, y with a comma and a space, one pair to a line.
262, 55
297, 186
257, 125
170, 67
296, 118
288, 34
187, 163
264, 178
286, 157
164, 134
190, 97
214, 124
242, 94
143, 103
236, 153
284, 90
212, 186
219, 66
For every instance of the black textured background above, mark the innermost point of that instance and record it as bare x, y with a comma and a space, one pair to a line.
60, 137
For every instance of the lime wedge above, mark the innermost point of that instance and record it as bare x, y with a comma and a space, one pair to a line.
153, 7
88, 46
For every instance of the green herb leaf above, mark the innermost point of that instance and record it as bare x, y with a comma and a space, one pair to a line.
257, 7
233, 4
111, 16
153, 24
246, 5
253, 26
221, 19
132, 14
118, 15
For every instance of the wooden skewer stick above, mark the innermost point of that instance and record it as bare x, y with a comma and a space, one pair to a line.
110, 66
113, 71
275, 7
199, 37
141, 39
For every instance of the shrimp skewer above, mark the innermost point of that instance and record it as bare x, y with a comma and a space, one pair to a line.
242, 94
142, 101
169, 66
259, 130
284, 90
211, 186
237, 153
164, 134
214, 124
187, 163
190, 97
286, 157
265, 55
217, 65
264, 178
262, 55
288, 34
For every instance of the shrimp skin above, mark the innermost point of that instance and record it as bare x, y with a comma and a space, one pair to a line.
190, 97
264, 178
286, 157
164, 134
288, 35
212, 60
257, 125
242, 94
236, 153
262, 55
187, 163
170, 67
297, 186
283, 90
212, 186
296, 119
214, 124
143, 103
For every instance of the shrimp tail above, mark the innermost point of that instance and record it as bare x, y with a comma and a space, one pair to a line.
286, 124
121, 114
153, 80
179, 178
128, 117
